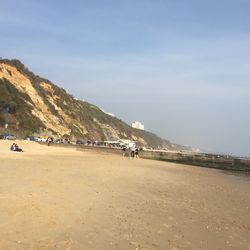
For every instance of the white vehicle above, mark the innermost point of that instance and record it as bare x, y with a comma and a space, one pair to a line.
41, 139
132, 145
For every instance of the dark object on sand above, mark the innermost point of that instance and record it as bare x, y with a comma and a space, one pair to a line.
15, 147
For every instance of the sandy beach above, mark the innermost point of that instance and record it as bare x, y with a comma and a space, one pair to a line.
63, 198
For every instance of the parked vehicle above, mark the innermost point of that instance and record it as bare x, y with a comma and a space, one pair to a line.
79, 141
63, 141
30, 138
7, 137
41, 139
58, 141
37, 139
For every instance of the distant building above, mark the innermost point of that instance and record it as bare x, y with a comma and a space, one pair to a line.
138, 125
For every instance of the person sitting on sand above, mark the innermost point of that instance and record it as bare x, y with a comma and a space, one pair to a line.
12, 147
15, 147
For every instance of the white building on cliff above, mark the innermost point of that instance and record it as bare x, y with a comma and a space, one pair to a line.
138, 125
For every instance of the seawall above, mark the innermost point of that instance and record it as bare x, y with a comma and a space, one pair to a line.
204, 160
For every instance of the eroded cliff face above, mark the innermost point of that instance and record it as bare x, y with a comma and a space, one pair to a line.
41, 105
58, 124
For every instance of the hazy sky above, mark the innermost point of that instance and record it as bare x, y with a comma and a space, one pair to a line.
180, 67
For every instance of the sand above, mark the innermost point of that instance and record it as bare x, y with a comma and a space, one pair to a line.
63, 198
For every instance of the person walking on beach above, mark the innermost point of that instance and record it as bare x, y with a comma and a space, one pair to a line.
124, 148
132, 152
137, 153
49, 140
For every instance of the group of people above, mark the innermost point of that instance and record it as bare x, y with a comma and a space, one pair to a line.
16, 148
133, 152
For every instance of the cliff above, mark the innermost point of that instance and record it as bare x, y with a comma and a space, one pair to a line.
36, 105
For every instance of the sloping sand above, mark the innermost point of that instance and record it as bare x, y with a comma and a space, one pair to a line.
61, 198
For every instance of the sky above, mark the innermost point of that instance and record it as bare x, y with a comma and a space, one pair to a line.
180, 67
